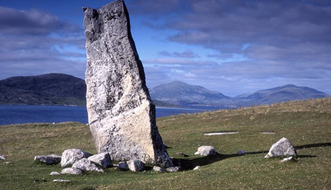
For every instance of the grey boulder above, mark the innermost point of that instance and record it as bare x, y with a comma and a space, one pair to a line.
86, 165
73, 171
102, 159
282, 148
206, 151
70, 156
136, 165
48, 159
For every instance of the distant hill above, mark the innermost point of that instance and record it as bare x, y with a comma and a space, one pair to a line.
278, 94
49, 89
61, 89
183, 94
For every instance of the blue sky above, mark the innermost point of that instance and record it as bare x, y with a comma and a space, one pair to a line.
234, 47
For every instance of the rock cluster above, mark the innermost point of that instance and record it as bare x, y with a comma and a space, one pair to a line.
120, 111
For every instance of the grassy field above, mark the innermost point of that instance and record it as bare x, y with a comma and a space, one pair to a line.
307, 124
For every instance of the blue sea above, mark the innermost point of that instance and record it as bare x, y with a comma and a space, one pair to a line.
14, 114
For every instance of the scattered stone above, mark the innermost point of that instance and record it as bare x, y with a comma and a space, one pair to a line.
62, 181
48, 159
181, 154
287, 159
123, 166
197, 167
120, 110
86, 165
158, 169
206, 151
136, 165
73, 171
283, 147
221, 133
70, 156
7, 163
2, 157
173, 169
54, 173
241, 152
102, 159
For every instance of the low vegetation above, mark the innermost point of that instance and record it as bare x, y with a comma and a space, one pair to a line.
307, 124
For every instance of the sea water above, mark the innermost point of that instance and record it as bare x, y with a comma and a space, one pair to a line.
16, 114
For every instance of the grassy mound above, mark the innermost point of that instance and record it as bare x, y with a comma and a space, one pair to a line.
307, 124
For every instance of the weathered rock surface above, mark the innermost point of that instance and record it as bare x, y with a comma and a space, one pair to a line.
241, 152
102, 159
136, 165
196, 167
73, 171
70, 156
120, 111
48, 159
86, 165
281, 148
206, 151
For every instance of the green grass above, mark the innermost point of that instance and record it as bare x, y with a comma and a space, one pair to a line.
307, 124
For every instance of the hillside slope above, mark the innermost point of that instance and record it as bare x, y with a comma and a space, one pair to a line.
184, 94
278, 94
49, 89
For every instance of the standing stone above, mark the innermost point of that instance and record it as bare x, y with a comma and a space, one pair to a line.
283, 147
120, 111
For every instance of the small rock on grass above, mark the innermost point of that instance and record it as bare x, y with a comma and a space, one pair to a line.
123, 166
287, 159
2, 157
54, 173
72, 171
197, 167
102, 159
62, 180
86, 165
48, 159
173, 169
283, 147
136, 165
158, 169
241, 152
206, 151
70, 156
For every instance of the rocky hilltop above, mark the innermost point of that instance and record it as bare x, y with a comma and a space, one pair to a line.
48, 89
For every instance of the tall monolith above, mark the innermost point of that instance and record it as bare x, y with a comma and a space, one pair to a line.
120, 111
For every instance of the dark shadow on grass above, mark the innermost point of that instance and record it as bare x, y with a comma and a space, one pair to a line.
189, 164
312, 145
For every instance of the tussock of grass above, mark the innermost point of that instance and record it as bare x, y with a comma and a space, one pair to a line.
307, 124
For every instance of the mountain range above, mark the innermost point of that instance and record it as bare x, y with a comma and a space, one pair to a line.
61, 89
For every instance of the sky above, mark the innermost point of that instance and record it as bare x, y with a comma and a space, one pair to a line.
234, 47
